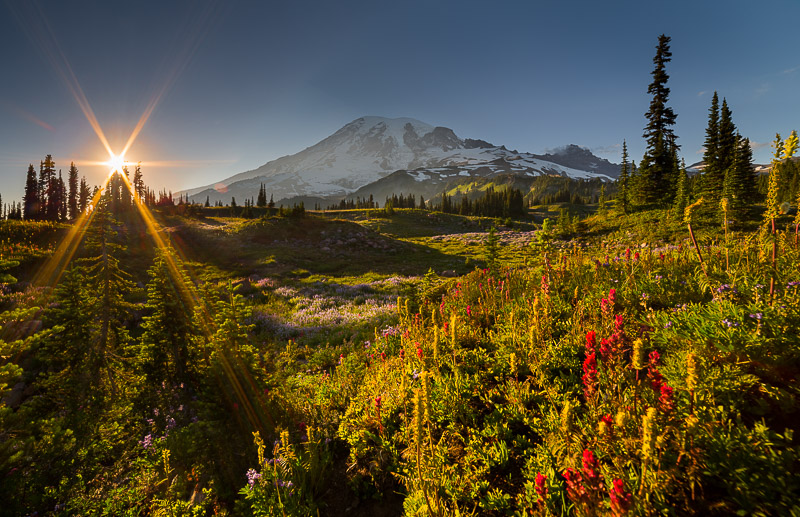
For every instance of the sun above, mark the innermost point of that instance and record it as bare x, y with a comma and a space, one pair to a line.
116, 163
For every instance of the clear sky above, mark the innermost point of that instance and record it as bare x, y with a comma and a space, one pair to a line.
245, 82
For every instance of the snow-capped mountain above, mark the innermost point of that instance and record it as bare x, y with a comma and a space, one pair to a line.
370, 148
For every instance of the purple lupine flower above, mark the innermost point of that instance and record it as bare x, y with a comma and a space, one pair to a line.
252, 477
147, 443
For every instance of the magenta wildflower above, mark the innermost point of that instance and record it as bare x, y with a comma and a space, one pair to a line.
620, 499
592, 478
666, 402
575, 489
541, 488
591, 341
656, 379
590, 379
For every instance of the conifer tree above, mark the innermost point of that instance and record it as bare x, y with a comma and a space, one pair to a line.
656, 182
62, 199
623, 180
713, 173
682, 192
262, 197
66, 353
138, 182
31, 198
169, 329
109, 284
83, 196
72, 200
728, 139
47, 188
740, 178
230, 317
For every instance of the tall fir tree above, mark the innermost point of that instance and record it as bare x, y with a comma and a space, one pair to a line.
262, 197
138, 182
729, 170
713, 173
657, 174
740, 178
62, 198
109, 283
31, 199
169, 328
72, 198
623, 180
64, 345
83, 196
47, 188
728, 139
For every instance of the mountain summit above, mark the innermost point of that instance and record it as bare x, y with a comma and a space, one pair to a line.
370, 148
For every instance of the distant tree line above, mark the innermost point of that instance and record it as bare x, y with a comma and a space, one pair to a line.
547, 190
355, 204
504, 203
48, 197
409, 201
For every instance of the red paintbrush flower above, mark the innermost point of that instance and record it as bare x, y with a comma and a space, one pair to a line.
620, 499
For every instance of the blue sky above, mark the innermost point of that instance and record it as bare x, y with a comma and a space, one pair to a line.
245, 82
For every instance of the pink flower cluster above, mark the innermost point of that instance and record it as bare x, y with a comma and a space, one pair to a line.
620, 499
665, 393
585, 485
590, 379
541, 488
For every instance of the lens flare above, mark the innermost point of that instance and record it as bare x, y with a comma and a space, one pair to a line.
236, 377
116, 163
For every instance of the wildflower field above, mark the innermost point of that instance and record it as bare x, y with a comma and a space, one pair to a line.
616, 369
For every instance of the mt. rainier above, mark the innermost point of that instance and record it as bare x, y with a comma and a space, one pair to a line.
370, 148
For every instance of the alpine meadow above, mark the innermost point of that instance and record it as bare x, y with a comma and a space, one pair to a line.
398, 319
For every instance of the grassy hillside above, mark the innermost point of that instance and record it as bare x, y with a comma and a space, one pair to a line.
356, 363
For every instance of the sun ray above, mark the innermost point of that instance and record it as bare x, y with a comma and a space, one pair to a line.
50, 274
42, 35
